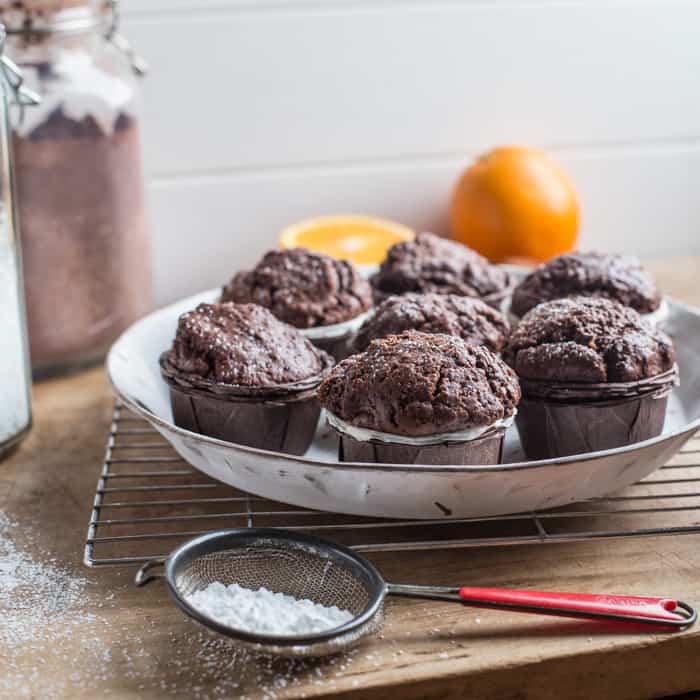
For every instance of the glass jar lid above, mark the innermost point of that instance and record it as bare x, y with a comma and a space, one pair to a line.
36, 20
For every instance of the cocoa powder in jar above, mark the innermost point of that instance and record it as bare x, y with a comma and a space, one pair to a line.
78, 180
84, 236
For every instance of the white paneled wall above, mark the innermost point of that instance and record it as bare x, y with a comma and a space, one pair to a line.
259, 113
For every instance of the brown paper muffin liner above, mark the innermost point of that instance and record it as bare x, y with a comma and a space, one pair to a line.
558, 427
282, 418
486, 449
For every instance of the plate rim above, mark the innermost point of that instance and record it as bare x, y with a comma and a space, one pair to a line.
155, 420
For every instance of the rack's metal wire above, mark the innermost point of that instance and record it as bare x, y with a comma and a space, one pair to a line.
148, 500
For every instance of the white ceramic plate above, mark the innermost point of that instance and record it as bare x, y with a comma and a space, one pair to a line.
317, 480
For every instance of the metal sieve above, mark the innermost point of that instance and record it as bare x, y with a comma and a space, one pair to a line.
329, 574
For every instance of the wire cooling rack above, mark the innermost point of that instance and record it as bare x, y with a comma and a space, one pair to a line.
148, 500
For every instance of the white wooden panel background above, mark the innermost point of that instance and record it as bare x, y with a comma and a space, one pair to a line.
259, 113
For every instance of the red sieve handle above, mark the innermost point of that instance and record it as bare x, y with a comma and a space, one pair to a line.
623, 608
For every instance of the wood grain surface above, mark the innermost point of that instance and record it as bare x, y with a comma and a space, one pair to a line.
125, 642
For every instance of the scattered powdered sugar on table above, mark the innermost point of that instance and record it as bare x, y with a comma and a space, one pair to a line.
33, 594
265, 612
42, 605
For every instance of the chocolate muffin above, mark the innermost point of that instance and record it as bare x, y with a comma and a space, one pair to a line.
470, 319
618, 277
433, 264
421, 398
324, 297
594, 376
237, 373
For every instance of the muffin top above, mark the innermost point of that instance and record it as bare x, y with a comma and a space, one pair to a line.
587, 339
618, 277
429, 263
417, 384
470, 319
302, 288
242, 344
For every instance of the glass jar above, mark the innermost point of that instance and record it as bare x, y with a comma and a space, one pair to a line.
79, 180
15, 381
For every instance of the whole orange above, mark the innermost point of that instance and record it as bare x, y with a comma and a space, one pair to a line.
515, 202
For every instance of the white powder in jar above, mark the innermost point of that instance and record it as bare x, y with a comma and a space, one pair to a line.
14, 379
265, 612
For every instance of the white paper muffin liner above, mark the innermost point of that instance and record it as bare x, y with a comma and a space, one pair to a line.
367, 435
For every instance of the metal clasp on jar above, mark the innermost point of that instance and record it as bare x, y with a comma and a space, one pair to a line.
138, 64
12, 75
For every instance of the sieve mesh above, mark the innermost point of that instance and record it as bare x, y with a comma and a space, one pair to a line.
283, 569
302, 567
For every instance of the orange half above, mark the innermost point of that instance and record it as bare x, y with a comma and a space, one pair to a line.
364, 240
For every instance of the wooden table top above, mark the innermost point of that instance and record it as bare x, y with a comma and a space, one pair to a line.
129, 642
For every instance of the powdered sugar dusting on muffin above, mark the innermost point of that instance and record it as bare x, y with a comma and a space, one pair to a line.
587, 339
